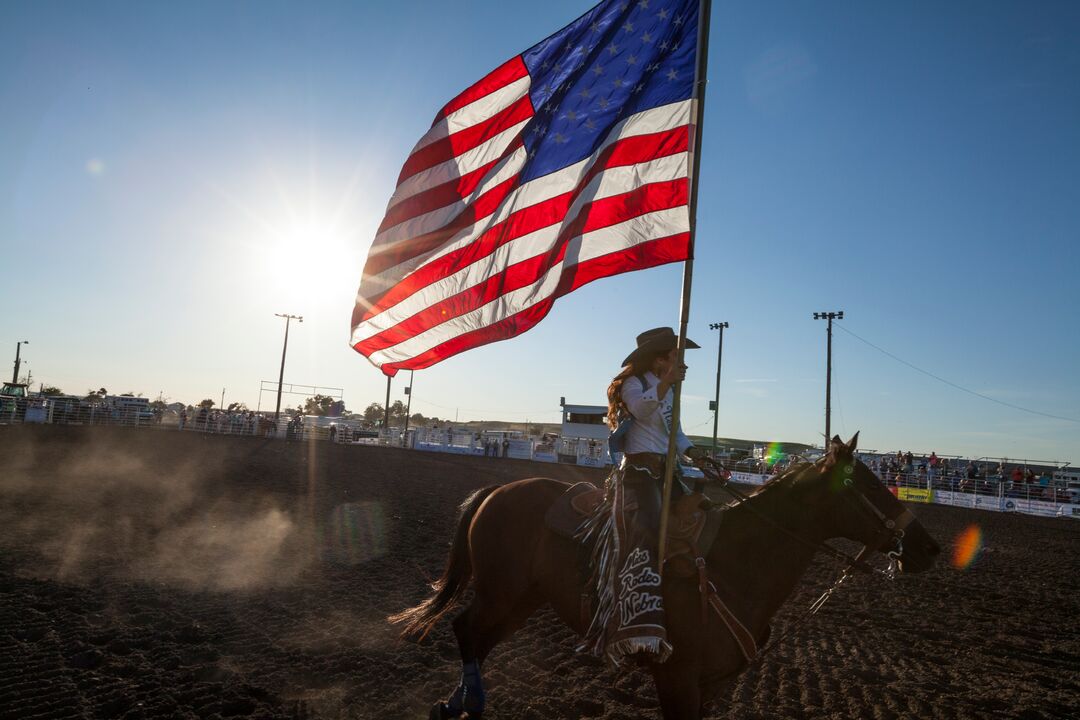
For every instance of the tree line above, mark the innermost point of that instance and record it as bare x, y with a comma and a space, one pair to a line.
321, 405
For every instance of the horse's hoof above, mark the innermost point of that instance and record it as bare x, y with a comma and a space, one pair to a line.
442, 711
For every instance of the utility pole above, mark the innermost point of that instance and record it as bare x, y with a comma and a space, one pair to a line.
222, 398
18, 347
281, 375
408, 405
716, 403
830, 316
386, 410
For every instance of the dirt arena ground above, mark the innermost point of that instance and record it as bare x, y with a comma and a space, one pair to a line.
175, 575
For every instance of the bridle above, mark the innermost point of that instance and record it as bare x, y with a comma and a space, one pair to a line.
891, 528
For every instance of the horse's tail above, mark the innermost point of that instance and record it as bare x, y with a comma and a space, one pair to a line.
451, 586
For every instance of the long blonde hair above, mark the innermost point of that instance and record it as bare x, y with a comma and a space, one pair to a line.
616, 405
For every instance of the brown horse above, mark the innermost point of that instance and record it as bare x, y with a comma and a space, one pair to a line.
763, 547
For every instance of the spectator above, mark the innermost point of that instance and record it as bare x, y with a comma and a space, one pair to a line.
333, 433
933, 466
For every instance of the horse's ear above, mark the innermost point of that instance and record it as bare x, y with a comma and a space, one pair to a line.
853, 442
835, 445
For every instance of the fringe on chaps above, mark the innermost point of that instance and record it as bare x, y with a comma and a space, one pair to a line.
629, 610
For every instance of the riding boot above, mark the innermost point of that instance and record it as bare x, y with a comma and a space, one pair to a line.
639, 614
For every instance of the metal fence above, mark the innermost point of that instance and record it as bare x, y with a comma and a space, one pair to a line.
994, 486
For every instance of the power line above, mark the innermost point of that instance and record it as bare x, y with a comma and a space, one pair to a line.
954, 385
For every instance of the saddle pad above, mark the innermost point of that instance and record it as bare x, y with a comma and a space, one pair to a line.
564, 516
685, 526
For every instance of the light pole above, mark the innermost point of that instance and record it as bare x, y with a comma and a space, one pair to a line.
18, 347
830, 316
386, 410
716, 403
281, 375
408, 406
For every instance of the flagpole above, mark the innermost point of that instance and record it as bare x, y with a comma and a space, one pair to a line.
700, 79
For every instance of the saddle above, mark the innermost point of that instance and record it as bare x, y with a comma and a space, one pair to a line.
691, 528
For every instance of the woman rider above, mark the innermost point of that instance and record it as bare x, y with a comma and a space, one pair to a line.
630, 614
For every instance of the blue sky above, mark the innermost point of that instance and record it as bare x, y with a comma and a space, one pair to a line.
171, 175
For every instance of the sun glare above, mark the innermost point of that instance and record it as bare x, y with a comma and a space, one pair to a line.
301, 245
307, 261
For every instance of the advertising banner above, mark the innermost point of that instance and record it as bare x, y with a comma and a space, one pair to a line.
545, 455
916, 494
959, 499
1038, 507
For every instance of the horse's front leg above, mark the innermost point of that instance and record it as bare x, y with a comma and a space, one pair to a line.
678, 689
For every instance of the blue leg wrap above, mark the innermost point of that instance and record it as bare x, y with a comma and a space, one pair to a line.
473, 700
456, 703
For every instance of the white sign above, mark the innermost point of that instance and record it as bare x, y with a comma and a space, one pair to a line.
454, 449
1039, 507
520, 449
959, 499
746, 478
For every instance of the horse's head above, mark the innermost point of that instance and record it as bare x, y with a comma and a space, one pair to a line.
864, 510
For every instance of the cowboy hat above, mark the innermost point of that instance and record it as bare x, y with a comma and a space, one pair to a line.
661, 339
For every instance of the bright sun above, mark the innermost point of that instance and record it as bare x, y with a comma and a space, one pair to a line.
302, 248
307, 262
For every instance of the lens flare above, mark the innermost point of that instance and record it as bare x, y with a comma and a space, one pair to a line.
774, 453
968, 547
355, 533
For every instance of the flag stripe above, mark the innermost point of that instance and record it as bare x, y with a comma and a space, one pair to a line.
497, 148
437, 197
599, 183
511, 70
593, 216
392, 254
645, 255
463, 141
475, 112
585, 247
407, 232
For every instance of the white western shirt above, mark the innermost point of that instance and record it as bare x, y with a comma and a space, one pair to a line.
652, 417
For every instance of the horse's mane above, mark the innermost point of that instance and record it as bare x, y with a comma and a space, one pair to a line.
785, 478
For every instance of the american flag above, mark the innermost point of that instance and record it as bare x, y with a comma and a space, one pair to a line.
567, 163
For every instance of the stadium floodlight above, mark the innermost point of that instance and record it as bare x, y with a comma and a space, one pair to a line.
285, 347
716, 403
830, 316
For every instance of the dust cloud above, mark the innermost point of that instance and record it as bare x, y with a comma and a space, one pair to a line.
113, 507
